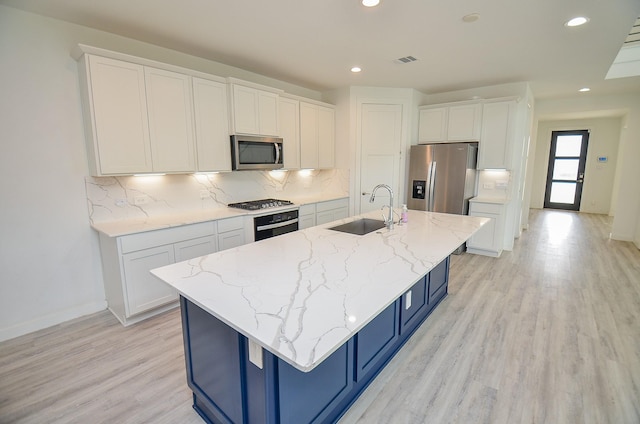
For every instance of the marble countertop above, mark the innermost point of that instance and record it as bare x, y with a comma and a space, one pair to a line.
302, 295
138, 225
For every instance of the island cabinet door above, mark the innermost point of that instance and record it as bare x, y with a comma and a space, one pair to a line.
213, 357
312, 397
438, 283
375, 342
413, 305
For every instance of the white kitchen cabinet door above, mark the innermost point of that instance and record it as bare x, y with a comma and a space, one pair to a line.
433, 124
213, 147
117, 110
326, 137
307, 216
308, 135
290, 131
494, 149
331, 210
463, 123
245, 110
317, 136
268, 113
190, 249
170, 108
255, 111
143, 290
488, 239
231, 239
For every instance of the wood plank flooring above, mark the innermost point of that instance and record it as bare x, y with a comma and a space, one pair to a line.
548, 333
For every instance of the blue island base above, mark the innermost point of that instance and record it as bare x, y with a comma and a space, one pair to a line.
228, 388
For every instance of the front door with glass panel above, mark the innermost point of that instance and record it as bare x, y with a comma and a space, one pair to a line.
565, 176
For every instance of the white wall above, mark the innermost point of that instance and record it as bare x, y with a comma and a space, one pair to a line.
604, 138
49, 256
627, 202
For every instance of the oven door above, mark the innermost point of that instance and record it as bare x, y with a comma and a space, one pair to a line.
268, 226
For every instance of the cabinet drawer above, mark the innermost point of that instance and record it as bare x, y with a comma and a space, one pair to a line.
307, 210
149, 239
332, 204
230, 224
492, 208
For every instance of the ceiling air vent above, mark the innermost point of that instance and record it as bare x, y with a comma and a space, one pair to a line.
406, 59
634, 34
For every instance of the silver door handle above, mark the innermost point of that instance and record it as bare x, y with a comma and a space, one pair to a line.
365, 193
277, 152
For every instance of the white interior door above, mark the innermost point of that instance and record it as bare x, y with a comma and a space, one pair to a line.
381, 135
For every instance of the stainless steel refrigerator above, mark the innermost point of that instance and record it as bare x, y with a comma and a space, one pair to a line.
442, 177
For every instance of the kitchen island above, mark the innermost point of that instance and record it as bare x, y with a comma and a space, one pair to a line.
293, 328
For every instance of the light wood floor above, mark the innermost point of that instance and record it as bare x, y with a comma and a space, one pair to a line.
548, 333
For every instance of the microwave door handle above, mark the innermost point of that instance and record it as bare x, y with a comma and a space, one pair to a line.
277, 152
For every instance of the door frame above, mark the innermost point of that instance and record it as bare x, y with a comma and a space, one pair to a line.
575, 206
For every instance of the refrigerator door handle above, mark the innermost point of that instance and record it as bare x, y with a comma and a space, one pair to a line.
432, 185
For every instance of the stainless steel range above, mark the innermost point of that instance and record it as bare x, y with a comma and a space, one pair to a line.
270, 224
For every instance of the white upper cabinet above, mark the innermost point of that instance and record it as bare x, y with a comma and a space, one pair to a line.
138, 118
212, 125
117, 129
433, 124
170, 108
494, 149
456, 122
289, 110
326, 137
317, 136
255, 111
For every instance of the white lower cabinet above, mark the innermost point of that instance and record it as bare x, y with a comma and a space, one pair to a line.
331, 210
143, 290
231, 233
132, 292
488, 240
307, 216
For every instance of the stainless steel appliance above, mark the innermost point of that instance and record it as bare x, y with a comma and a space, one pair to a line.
271, 224
250, 152
442, 177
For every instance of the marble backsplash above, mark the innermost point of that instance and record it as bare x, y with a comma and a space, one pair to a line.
133, 197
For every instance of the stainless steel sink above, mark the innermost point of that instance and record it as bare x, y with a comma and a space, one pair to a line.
360, 227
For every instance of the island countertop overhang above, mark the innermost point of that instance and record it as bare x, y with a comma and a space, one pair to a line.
304, 294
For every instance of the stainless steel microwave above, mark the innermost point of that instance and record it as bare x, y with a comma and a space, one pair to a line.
251, 152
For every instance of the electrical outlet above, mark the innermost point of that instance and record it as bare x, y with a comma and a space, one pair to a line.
140, 200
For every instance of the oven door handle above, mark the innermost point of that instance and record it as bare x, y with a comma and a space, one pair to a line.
276, 225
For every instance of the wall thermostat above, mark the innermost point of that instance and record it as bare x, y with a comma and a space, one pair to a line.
603, 159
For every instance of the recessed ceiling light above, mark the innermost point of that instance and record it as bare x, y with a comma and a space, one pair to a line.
356, 69
580, 20
472, 17
370, 3
585, 89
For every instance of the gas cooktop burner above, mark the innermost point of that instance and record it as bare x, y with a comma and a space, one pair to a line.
260, 204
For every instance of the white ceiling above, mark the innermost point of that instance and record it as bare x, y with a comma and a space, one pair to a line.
314, 44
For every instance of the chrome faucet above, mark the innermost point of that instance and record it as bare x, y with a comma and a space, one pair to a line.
387, 220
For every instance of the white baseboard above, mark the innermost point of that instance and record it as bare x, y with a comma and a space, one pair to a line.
51, 320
